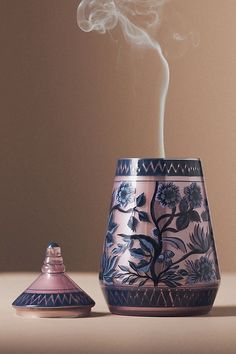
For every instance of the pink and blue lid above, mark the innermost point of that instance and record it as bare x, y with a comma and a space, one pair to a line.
53, 288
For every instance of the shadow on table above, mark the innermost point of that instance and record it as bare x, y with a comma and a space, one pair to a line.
99, 314
223, 311
217, 311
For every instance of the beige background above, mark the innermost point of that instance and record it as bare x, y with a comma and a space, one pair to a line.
72, 103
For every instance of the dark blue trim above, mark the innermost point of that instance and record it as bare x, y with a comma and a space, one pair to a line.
53, 300
156, 297
158, 167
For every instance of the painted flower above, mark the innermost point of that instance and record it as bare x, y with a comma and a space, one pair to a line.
200, 270
201, 241
125, 194
168, 195
166, 257
193, 195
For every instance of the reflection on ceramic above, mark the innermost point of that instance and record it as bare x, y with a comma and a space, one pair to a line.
159, 255
53, 293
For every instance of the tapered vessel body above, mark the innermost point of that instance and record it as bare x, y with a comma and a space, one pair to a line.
159, 256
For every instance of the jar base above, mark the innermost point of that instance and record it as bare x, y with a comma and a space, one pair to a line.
161, 301
53, 313
159, 311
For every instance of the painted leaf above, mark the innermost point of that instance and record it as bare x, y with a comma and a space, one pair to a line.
112, 262
175, 242
143, 282
125, 237
109, 239
112, 226
205, 215
108, 279
117, 250
175, 267
133, 279
124, 268
200, 241
194, 216
133, 266
143, 265
183, 272
125, 280
171, 283
132, 223
143, 216
137, 253
108, 266
147, 246
141, 200
183, 205
118, 275
182, 221
169, 254
110, 272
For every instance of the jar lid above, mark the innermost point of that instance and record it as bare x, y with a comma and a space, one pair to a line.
54, 293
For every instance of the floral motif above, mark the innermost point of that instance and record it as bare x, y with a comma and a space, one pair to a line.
200, 241
166, 257
168, 195
147, 250
201, 269
125, 194
193, 195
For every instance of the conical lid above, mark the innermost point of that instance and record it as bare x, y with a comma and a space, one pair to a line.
53, 288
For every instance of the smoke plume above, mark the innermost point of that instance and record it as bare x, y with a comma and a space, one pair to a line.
105, 15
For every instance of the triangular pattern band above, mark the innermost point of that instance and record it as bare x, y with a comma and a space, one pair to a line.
156, 297
53, 300
158, 167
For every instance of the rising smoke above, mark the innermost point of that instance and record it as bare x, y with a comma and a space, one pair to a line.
105, 15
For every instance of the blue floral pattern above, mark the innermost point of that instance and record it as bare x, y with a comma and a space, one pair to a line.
168, 195
200, 270
125, 194
153, 258
166, 257
193, 195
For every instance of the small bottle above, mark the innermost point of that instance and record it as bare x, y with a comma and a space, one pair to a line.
53, 293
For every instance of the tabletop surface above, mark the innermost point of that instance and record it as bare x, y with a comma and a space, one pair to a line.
105, 333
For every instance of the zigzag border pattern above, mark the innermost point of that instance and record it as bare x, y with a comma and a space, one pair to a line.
155, 297
158, 167
53, 300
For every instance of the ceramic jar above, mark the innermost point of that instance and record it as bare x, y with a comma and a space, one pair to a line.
159, 256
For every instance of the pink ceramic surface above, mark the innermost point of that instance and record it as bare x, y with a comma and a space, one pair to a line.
53, 283
53, 293
159, 253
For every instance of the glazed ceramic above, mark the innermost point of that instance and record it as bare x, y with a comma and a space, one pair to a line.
159, 254
53, 293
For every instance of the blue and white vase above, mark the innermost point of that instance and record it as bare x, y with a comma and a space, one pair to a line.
159, 256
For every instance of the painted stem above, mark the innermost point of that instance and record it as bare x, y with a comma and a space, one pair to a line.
117, 207
171, 218
156, 249
138, 274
